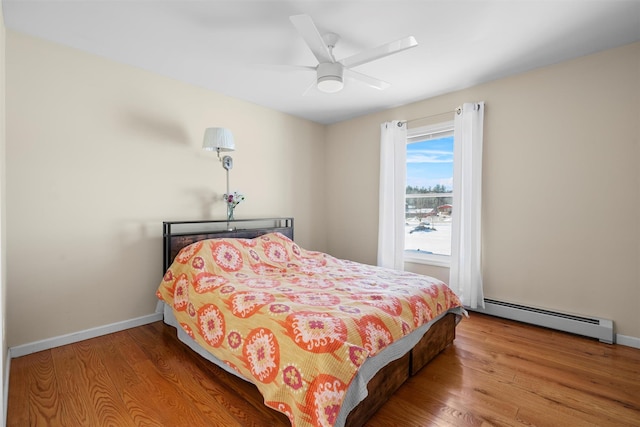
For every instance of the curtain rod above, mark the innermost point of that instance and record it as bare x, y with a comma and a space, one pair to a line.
457, 110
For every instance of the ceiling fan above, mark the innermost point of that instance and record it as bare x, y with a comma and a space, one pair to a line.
330, 72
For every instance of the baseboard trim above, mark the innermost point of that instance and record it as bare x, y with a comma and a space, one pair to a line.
628, 341
49, 343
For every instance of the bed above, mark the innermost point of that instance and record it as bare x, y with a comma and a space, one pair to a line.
326, 341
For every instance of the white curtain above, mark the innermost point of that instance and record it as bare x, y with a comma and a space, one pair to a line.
393, 177
465, 277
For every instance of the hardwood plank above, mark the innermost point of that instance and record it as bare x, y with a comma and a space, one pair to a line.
45, 406
485, 390
405, 413
107, 404
486, 396
122, 354
169, 398
497, 372
567, 374
173, 364
240, 404
524, 364
73, 386
483, 373
18, 401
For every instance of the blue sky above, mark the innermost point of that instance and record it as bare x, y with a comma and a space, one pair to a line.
430, 163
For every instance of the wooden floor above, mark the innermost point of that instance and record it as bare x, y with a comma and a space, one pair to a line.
497, 372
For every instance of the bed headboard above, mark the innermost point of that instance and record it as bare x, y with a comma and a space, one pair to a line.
178, 234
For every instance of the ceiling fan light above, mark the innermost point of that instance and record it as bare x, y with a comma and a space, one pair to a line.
329, 77
330, 84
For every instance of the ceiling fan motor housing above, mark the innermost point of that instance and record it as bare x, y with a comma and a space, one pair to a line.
330, 76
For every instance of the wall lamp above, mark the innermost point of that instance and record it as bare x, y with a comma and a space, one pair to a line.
220, 139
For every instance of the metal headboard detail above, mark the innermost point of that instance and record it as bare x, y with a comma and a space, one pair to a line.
178, 234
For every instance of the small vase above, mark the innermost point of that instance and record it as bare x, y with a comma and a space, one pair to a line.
229, 212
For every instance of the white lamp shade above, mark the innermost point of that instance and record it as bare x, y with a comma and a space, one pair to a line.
218, 139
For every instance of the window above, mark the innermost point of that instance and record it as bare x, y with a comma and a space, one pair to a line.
428, 198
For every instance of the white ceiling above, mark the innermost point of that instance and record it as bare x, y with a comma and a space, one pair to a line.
226, 46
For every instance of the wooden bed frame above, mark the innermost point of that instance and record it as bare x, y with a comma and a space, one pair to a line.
178, 234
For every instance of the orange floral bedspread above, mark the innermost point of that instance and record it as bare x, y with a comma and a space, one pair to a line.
296, 323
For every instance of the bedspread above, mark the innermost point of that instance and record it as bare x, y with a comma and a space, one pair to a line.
297, 323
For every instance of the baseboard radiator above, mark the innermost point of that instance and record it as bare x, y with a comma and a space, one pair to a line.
602, 329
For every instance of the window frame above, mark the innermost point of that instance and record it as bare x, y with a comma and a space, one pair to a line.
434, 131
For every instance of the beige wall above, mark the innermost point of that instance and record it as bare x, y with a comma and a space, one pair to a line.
561, 201
99, 154
3, 256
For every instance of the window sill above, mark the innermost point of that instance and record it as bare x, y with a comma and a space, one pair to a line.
427, 259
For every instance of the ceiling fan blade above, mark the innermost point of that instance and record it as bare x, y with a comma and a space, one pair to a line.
286, 68
369, 81
379, 52
311, 89
312, 37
